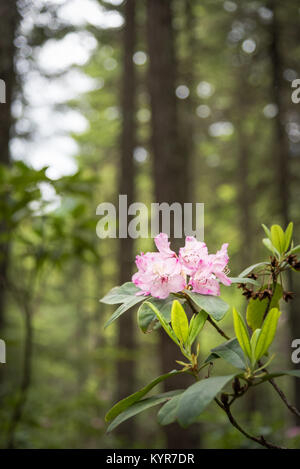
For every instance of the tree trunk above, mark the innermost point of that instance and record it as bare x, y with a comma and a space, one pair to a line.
187, 115
245, 198
170, 166
8, 25
126, 336
283, 179
243, 161
26, 375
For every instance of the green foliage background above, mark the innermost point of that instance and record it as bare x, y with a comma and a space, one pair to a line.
59, 269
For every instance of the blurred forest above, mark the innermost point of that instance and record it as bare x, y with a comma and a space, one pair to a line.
162, 100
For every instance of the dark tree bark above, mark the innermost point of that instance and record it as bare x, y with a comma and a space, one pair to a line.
245, 197
8, 25
17, 414
243, 162
126, 332
282, 153
170, 165
187, 115
283, 172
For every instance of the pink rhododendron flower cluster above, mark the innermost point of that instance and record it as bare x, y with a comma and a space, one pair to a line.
164, 272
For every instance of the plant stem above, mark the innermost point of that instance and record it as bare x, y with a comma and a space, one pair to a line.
283, 397
281, 394
260, 440
220, 331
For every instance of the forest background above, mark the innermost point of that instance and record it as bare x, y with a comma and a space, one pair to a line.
162, 100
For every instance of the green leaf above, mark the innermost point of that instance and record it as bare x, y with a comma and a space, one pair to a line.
278, 374
270, 246
130, 400
198, 396
243, 280
295, 250
123, 308
250, 268
179, 322
140, 406
257, 308
163, 322
267, 333
125, 294
146, 316
288, 235
241, 333
278, 238
253, 343
168, 412
213, 305
121, 294
196, 324
230, 351
267, 231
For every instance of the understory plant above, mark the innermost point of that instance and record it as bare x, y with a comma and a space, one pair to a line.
181, 293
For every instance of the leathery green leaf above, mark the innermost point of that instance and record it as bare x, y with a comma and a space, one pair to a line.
295, 250
213, 305
141, 406
241, 333
196, 324
168, 412
257, 308
267, 231
121, 294
163, 322
250, 268
267, 333
278, 238
146, 317
179, 322
130, 400
198, 396
230, 351
278, 374
288, 236
269, 245
253, 343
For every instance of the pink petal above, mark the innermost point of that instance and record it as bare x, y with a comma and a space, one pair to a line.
163, 245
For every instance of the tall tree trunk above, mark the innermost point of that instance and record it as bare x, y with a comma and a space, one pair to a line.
244, 204
243, 160
17, 414
170, 164
8, 25
187, 116
282, 155
126, 336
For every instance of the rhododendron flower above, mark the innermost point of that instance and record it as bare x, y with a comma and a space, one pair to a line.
204, 280
159, 273
219, 263
192, 255
163, 245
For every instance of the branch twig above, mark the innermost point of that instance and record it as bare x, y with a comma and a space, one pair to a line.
209, 319
260, 440
281, 394
220, 331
